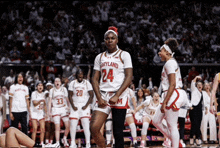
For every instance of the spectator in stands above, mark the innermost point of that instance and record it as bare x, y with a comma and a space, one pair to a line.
19, 103
192, 74
11, 78
6, 59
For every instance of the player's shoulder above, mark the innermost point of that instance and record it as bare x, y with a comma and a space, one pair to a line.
171, 62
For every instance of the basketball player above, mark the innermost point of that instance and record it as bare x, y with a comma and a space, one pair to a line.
112, 75
38, 108
15, 138
129, 116
149, 106
49, 133
213, 99
19, 103
80, 97
60, 108
172, 97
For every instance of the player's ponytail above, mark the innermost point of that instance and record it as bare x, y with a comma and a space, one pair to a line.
172, 43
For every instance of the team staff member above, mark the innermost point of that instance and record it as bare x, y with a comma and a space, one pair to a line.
80, 97
199, 101
19, 103
112, 75
172, 97
213, 99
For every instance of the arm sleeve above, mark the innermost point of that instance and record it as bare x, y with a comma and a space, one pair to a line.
126, 58
11, 91
97, 63
33, 96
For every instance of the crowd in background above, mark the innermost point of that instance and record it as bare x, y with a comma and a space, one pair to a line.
71, 33
38, 31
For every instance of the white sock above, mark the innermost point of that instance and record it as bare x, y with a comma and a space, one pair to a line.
133, 130
64, 137
108, 133
144, 128
85, 124
134, 141
73, 125
47, 141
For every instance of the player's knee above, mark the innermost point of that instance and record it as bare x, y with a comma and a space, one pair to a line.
34, 129
10, 131
94, 130
42, 130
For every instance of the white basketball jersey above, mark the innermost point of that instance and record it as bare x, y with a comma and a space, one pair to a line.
111, 66
171, 66
58, 96
150, 106
35, 96
80, 91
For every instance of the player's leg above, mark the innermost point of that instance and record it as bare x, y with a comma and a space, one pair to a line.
34, 126
15, 138
118, 119
108, 133
212, 127
157, 122
97, 120
42, 131
172, 118
73, 125
146, 122
23, 121
57, 128
47, 132
85, 125
66, 131
52, 131
130, 120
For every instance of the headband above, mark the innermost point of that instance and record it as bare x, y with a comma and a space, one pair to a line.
167, 48
113, 30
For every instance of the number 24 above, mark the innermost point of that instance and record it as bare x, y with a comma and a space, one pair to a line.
109, 75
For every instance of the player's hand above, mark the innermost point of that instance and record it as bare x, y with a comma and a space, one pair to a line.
212, 109
12, 117
75, 108
84, 107
163, 108
113, 100
102, 103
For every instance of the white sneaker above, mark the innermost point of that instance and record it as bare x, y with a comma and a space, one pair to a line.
73, 146
167, 143
88, 145
182, 143
48, 145
56, 145
64, 141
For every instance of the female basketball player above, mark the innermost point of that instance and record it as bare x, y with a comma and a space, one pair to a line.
19, 103
172, 97
80, 97
15, 138
213, 98
38, 108
60, 110
112, 75
149, 106
129, 116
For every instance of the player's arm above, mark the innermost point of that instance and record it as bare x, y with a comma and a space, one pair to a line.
71, 100
90, 99
11, 95
125, 84
141, 106
95, 84
134, 102
172, 86
213, 92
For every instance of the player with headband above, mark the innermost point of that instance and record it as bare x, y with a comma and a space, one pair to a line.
173, 97
112, 75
